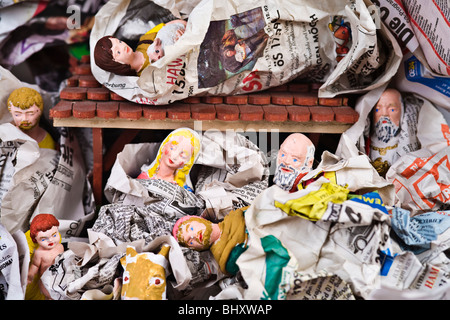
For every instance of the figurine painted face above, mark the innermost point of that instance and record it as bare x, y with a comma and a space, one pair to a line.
144, 276
195, 232
25, 105
386, 116
295, 157
175, 157
48, 239
114, 55
176, 153
167, 36
44, 231
155, 50
121, 51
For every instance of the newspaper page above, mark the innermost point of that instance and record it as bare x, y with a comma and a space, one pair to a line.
417, 268
11, 285
346, 242
16, 13
421, 30
229, 173
94, 265
40, 180
282, 43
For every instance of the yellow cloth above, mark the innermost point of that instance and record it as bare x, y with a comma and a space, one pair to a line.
144, 42
313, 205
47, 142
232, 233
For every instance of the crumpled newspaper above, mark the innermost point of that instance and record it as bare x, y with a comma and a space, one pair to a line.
335, 42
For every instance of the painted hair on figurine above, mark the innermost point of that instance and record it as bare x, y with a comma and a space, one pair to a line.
104, 59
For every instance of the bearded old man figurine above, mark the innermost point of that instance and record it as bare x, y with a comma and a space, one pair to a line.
295, 159
385, 130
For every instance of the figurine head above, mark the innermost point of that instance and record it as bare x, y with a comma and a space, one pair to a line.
176, 155
26, 106
144, 275
44, 231
155, 51
295, 159
193, 232
387, 114
114, 55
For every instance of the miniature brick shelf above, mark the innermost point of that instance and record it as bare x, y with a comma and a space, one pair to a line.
293, 107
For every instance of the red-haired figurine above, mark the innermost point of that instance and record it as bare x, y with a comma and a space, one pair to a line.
44, 232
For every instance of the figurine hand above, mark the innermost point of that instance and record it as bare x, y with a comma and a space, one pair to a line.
179, 33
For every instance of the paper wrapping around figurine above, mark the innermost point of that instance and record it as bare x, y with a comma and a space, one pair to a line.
175, 158
144, 275
240, 47
230, 172
423, 131
340, 248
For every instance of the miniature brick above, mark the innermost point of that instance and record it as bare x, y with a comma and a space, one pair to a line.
259, 98
321, 113
345, 114
179, 111
154, 112
88, 81
305, 99
250, 112
282, 98
114, 96
73, 93
130, 111
280, 88
86, 59
83, 69
72, 81
192, 100
203, 111
101, 94
227, 112
236, 99
298, 113
63, 109
84, 109
212, 99
298, 87
275, 113
331, 102
314, 87
107, 110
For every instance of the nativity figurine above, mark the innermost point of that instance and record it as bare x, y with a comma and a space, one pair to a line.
226, 239
44, 233
116, 56
385, 130
294, 160
26, 106
175, 158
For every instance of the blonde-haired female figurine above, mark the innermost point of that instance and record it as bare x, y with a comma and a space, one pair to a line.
175, 158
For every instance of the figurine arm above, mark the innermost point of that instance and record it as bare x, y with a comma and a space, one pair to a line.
34, 267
